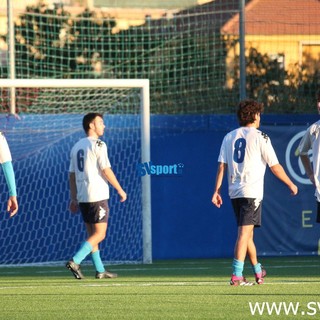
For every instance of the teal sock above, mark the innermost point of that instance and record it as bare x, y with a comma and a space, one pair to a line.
257, 268
97, 262
84, 250
237, 267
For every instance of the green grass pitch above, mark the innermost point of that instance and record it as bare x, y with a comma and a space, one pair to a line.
179, 289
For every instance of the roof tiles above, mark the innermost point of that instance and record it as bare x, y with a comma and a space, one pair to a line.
268, 17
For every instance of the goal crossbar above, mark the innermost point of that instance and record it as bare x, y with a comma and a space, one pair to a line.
75, 83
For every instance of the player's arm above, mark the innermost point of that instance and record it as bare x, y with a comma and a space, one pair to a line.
216, 198
279, 172
73, 206
12, 204
302, 151
307, 167
110, 176
6, 163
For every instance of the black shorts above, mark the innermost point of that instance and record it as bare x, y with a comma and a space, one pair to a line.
247, 211
94, 212
318, 212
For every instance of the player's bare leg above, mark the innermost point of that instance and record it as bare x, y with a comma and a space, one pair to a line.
245, 233
97, 233
252, 251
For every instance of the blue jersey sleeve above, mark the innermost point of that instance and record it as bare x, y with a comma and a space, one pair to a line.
10, 178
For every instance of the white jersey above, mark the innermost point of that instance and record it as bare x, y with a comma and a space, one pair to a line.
5, 154
247, 151
89, 157
311, 140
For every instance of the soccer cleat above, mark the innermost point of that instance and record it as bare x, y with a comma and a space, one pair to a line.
260, 276
106, 274
239, 281
75, 269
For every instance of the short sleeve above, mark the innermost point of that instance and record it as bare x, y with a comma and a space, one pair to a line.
102, 155
222, 155
5, 154
267, 150
305, 143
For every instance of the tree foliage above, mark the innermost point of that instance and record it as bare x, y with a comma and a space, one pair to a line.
284, 91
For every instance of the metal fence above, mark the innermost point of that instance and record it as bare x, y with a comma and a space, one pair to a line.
199, 59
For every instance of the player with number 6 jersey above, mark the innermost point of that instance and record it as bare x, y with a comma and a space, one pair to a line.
87, 157
89, 174
245, 152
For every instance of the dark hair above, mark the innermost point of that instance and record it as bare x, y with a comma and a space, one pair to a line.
318, 95
89, 118
247, 109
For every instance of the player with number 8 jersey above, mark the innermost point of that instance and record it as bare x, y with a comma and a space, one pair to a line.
247, 161
245, 152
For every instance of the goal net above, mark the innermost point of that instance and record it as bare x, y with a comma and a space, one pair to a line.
40, 139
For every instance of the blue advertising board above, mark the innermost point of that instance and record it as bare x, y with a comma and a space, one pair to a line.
187, 225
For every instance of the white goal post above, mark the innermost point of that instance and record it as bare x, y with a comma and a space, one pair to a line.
143, 85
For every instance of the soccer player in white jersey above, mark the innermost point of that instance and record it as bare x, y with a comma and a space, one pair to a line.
6, 164
89, 174
244, 154
311, 141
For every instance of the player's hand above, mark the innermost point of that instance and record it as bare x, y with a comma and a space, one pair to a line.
294, 189
217, 200
12, 206
73, 206
122, 195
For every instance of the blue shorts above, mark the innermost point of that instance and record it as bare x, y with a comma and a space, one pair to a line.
318, 212
94, 212
247, 211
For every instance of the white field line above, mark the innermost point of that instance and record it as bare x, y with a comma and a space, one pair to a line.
116, 269
153, 284
196, 262
162, 269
